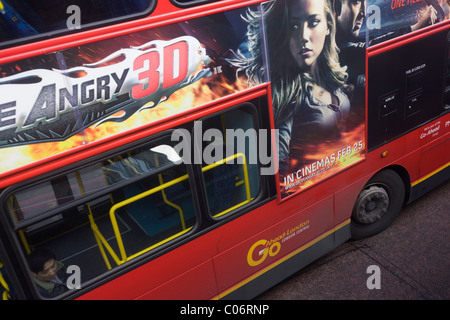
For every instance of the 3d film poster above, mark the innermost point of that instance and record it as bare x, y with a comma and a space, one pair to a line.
317, 85
66, 99
316, 54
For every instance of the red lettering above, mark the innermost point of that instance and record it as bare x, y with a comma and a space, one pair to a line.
396, 4
175, 63
150, 77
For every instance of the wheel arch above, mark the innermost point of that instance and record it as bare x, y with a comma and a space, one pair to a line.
404, 175
371, 213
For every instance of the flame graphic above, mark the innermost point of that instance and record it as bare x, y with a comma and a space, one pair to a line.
313, 153
192, 96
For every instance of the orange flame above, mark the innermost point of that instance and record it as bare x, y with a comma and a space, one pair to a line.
338, 150
192, 96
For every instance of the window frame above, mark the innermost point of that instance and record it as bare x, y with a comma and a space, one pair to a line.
262, 192
15, 227
9, 191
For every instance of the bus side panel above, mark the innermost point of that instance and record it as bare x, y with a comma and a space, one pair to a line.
434, 158
197, 283
420, 153
345, 200
265, 250
174, 274
434, 164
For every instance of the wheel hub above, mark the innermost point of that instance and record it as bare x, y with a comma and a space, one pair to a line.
372, 204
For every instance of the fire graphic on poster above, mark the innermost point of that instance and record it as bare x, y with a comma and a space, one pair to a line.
87, 93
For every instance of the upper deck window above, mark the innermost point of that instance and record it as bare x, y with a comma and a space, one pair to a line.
26, 18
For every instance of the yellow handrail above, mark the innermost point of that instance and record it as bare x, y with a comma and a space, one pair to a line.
144, 194
102, 242
11, 201
169, 203
135, 198
94, 227
218, 163
6, 295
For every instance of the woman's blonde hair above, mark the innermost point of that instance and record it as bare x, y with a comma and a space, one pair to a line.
288, 82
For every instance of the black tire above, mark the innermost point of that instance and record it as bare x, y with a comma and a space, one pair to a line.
378, 204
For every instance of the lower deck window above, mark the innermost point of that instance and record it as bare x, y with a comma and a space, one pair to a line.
115, 210
108, 212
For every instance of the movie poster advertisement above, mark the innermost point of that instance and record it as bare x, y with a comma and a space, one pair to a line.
316, 54
317, 83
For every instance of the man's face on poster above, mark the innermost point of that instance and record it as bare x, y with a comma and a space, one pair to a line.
350, 20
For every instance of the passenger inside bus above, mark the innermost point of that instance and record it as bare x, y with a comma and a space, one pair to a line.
23, 18
48, 273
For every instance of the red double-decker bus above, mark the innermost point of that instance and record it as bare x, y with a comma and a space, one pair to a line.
169, 149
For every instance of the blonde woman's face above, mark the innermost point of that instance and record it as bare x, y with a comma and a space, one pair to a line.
309, 29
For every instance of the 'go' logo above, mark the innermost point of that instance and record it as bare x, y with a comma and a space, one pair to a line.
269, 249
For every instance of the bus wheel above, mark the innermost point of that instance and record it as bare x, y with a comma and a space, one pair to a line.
378, 204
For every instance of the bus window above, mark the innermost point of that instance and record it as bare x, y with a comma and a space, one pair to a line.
23, 18
5, 290
108, 212
231, 171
